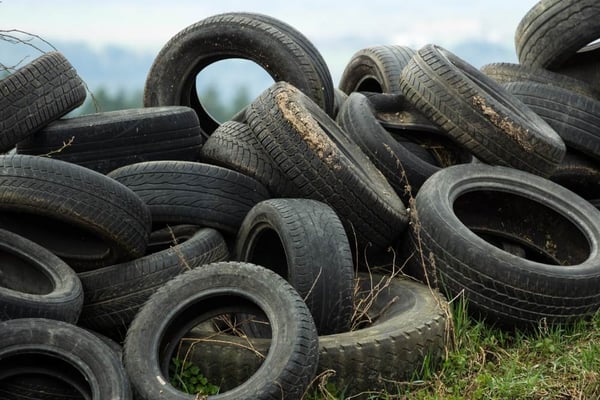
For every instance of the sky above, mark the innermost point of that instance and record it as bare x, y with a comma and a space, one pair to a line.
147, 25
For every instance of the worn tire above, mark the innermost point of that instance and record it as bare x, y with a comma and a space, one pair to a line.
403, 169
62, 351
277, 47
405, 326
84, 217
553, 30
580, 174
185, 192
216, 289
507, 72
375, 69
324, 165
109, 140
36, 283
114, 294
234, 145
463, 211
576, 118
35, 95
479, 114
304, 241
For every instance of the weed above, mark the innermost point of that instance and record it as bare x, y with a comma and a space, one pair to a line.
187, 377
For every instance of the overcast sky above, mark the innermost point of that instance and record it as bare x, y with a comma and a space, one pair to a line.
147, 25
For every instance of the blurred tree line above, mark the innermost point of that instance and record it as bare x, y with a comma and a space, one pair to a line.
218, 107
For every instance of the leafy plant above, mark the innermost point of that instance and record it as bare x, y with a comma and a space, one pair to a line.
187, 377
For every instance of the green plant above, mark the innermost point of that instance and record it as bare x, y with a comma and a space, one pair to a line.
187, 377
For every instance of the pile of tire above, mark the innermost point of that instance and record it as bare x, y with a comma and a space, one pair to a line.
318, 233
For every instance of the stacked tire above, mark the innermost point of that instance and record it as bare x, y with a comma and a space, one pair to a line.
320, 229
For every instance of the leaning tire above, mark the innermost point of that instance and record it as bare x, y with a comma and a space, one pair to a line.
479, 114
36, 283
217, 289
304, 241
114, 294
62, 351
375, 69
106, 141
35, 95
553, 30
324, 165
463, 212
84, 217
277, 47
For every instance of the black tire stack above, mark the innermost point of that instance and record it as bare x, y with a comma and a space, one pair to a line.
247, 247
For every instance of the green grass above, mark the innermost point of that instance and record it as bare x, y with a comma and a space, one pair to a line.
491, 363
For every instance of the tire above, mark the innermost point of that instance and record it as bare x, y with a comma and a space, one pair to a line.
165, 238
217, 289
576, 118
42, 385
414, 132
185, 192
277, 47
507, 73
303, 241
479, 114
36, 283
233, 145
580, 174
114, 294
585, 66
106, 141
464, 211
58, 350
324, 165
408, 327
35, 95
82, 216
375, 69
405, 171
553, 30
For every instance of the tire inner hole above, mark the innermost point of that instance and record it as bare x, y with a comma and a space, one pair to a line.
20, 274
215, 334
54, 373
523, 227
61, 238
